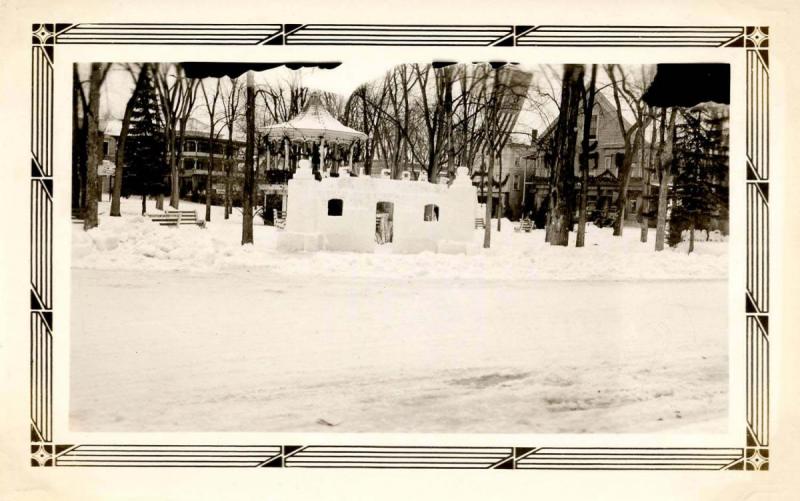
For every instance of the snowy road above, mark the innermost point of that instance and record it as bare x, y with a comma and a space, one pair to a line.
250, 349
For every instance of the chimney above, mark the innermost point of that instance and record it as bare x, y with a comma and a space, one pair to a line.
534, 136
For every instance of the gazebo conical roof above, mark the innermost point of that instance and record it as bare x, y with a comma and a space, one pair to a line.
313, 124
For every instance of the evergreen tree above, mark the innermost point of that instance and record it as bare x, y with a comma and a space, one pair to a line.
700, 191
145, 151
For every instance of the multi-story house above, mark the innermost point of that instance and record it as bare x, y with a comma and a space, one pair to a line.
607, 138
508, 188
195, 158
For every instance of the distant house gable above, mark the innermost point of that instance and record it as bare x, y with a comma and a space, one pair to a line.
608, 131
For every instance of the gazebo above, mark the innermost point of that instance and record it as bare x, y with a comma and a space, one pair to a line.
314, 127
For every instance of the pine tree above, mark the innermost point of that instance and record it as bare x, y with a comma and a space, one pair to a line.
700, 187
145, 152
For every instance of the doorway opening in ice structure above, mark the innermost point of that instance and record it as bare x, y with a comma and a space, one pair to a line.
431, 212
384, 222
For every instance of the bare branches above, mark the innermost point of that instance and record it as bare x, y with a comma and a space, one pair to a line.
633, 135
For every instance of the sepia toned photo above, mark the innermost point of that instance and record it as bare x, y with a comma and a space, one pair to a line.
427, 246
396, 246
379, 251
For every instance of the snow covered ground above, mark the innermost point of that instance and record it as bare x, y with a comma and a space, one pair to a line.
134, 242
186, 330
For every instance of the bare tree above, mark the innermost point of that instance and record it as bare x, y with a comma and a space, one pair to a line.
588, 107
631, 135
491, 125
469, 108
647, 171
509, 88
563, 171
232, 112
97, 75
247, 190
363, 111
664, 172
119, 156
176, 97
185, 112
387, 112
80, 108
211, 107
283, 101
436, 109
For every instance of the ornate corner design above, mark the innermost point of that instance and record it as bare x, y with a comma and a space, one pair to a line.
42, 455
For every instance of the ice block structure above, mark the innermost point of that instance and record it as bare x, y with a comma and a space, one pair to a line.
339, 213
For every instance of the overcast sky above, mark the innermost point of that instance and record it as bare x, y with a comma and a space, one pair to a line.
344, 80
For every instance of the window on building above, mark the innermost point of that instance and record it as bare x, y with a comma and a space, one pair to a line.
633, 206
335, 207
608, 161
593, 160
517, 182
202, 147
619, 159
431, 212
593, 127
105, 148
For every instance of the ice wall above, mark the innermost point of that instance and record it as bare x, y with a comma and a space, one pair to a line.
309, 227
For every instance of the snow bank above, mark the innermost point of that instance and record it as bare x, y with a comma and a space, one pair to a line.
136, 243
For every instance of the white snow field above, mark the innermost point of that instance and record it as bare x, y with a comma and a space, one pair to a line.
183, 329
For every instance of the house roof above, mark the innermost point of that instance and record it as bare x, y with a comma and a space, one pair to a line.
194, 128
314, 123
198, 128
601, 104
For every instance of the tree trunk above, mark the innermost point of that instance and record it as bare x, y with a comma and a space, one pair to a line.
564, 168
433, 168
624, 184
630, 149
93, 150
160, 201
209, 171
580, 239
483, 179
174, 196
644, 210
661, 220
547, 220
228, 168
499, 189
247, 189
448, 115
691, 238
78, 142
179, 152
664, 162
144, 204
487, 226
119, 157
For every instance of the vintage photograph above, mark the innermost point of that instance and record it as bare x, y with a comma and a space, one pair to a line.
435, 246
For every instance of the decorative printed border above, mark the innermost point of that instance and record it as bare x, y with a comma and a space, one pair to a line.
753, 455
